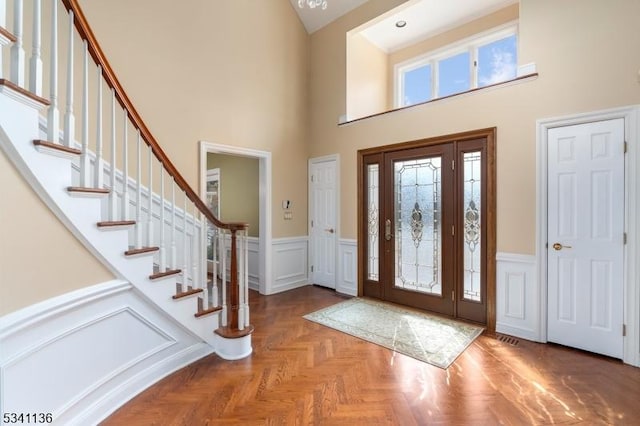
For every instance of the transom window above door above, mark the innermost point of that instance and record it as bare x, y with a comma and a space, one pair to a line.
485, 59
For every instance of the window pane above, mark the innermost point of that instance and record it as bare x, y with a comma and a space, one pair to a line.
418, 234
372, 221
417, 86
453, 75
497, 61
472, 249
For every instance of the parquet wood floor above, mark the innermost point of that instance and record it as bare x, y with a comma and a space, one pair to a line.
302, 373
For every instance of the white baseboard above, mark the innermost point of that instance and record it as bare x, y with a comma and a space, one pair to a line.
290, 263
82, 355
347, 282
517, 304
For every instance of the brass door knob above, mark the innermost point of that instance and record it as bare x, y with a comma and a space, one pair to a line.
558, 246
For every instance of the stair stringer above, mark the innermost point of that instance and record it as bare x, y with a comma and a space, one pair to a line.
50, 176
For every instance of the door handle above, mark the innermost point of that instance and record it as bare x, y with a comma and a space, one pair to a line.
330, 230
558, 246
387, 230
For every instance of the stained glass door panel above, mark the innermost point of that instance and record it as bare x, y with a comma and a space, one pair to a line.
418, 225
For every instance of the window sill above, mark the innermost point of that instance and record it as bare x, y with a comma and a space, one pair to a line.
517, 80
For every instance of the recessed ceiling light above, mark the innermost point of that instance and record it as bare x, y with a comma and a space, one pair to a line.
401, 24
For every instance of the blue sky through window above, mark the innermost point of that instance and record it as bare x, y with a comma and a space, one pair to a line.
417, 85
497, 61
454, 75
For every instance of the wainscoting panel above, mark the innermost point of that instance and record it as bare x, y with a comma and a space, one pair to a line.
254, 263
347, 282
290, 263
518, 307
81, 355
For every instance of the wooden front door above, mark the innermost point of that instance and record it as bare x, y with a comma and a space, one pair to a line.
424, 224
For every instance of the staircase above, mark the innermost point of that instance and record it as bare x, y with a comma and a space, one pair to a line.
108, 180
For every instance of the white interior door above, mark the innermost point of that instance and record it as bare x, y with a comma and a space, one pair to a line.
322, 222
585, 236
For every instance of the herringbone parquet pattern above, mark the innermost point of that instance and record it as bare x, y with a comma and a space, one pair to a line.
302, 373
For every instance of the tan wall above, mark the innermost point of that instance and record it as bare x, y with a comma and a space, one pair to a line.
588, 56
39, 258
367, 76
239, 189
228, 72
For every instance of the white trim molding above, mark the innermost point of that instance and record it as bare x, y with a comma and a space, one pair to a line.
517, 301
264, 157
81, 355
290, 263
631, 116
347, 282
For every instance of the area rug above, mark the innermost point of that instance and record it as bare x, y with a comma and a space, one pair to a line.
429, 338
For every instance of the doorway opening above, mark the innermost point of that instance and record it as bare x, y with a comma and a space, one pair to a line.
427, 227
263, 277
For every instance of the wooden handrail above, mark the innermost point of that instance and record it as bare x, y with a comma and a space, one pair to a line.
99, 57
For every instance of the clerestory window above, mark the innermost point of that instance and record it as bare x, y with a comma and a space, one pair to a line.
479, 61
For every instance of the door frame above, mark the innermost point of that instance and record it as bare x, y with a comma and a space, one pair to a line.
631, 292
316, 160
491, 196
264, 165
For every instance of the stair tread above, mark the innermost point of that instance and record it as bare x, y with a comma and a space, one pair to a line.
57, 147
189, 292
203, 312
11, 85
112, 223
86, 190
134, 251
164, 274
7, 34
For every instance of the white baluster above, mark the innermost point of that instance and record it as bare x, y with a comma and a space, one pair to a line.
240, 257
195, 253
35, 63
223, 273
174, 260
53, 117
150, 201
138, 238
163, 255
69, 118
203, 261
99, 164
125, 169
3, 14
3, 24
17, 51
85, 165
185, 270
246, 277
113, 197
214, 256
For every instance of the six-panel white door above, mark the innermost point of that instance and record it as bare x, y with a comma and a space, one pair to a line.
585, 251
323, 222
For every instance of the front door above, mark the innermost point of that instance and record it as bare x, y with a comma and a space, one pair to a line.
424, 225
585, 236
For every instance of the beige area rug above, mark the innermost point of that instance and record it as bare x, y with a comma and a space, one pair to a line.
429, 338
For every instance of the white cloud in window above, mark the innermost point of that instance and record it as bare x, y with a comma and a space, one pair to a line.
503, 67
